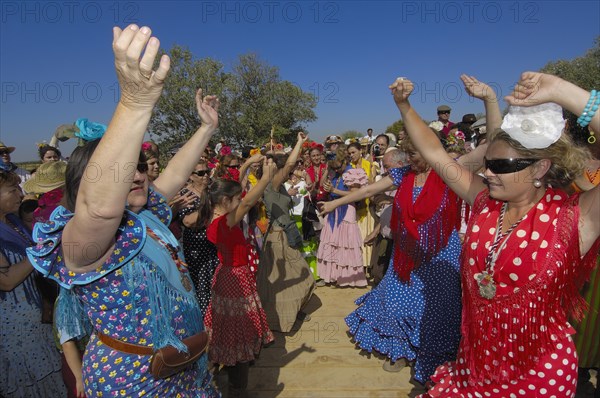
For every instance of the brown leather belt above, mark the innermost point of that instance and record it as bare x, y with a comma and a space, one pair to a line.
125, 347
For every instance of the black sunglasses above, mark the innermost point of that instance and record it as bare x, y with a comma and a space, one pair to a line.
443, 112
505, 166
233, 166
2, 153
142, 167
201, 173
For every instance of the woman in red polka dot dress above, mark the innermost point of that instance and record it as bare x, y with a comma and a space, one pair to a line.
528, 248
235, 318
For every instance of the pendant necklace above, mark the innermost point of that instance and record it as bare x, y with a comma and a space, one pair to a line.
485, 279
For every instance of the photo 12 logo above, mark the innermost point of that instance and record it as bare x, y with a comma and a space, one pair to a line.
51, 12
470, 11
270, 11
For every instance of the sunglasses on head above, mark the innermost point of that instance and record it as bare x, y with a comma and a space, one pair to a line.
505, 166
201, 173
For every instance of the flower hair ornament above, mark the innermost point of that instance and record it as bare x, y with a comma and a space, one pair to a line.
536, 126
82, 129
146, 146
436, 125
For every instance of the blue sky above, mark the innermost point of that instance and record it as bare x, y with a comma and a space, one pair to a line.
56, 60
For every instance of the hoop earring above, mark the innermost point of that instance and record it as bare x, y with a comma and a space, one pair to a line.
592, 138
537, 183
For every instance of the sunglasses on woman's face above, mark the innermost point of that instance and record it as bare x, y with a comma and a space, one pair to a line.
233, 166
200, 173
142, 167
505, 166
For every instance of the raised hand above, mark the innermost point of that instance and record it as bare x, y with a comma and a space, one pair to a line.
208, 109
477, 89
401, 89
269, 169
302, 137
534, 88
140, 86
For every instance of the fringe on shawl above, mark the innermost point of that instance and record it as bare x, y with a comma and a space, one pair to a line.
517, 330
163, 302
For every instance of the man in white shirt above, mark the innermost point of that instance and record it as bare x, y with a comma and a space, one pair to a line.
7, 165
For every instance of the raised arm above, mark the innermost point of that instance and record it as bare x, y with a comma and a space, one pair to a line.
460, 179
282, 175
253, 195
89, 236
537, 88
175, 175
383, 185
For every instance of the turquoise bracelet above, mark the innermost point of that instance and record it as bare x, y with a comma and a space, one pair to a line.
590, 109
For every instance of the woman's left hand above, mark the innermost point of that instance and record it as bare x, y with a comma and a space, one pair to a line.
302, 137
208, 109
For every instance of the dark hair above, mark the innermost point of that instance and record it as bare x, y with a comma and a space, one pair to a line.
215, 193
45, 148
355, 145
27, 206
9, 178
280, 159
387, 139
75, 168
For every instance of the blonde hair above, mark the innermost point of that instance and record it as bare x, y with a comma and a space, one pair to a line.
341, 157
568, 159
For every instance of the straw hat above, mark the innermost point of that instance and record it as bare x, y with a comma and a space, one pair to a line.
10, 149
47, 177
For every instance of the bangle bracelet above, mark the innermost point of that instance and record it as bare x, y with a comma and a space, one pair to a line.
590, 109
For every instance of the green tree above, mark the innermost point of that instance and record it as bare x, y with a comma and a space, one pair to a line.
351, 134
583, 71
395, 127
254, 101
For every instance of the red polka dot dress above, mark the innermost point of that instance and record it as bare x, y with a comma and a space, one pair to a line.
235, 318
518, 342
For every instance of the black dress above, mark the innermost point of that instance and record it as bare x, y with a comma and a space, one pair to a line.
200, 255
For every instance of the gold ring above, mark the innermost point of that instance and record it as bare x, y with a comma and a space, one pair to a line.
147, 77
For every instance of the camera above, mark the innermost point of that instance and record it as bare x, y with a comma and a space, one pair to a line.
377, 150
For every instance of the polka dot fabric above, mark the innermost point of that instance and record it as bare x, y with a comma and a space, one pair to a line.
518, 343
419, 319
555, 376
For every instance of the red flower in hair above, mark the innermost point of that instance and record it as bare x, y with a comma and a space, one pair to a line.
146, 146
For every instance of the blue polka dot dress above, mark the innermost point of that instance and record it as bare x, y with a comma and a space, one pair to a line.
418, 320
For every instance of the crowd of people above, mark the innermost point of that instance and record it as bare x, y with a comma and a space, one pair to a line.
476, 242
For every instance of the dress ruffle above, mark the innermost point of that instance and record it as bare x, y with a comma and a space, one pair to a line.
47, 255
355, 177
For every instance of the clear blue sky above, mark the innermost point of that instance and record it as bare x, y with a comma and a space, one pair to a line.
56, 59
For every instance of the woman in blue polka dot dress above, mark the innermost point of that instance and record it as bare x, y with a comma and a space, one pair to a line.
415, 312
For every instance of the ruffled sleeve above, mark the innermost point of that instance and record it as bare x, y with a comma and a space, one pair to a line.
398, 174
353, 177
47, 255
158, 205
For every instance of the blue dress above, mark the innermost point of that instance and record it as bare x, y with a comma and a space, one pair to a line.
417, 320
30, 365
137, 296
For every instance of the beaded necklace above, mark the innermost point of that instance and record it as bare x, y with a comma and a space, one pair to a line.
181, 265
19, 231
485, 280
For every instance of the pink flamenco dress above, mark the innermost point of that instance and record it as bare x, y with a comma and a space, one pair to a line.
518, 342
339, 257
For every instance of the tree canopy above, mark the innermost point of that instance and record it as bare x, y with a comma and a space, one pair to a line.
254, 100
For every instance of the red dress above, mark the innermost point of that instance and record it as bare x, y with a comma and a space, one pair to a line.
518, 344
234, 318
